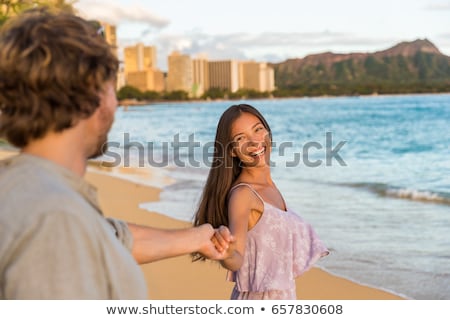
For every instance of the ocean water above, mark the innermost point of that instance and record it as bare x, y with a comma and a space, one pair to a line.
371, 174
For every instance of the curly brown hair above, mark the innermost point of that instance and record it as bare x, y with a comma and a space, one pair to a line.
53, 65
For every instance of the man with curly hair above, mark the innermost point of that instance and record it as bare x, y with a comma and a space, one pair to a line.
57, 104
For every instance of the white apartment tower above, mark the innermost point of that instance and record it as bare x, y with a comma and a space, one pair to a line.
180, 73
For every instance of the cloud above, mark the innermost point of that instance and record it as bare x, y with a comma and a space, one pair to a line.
114, 13
292, 39
271, 42
438, 6
444, 43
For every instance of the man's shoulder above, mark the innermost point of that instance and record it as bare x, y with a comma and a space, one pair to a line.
27, 187
30, 194
19, 177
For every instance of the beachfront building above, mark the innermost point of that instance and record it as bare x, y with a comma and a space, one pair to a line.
256, 76
180, 73
139, 58
109, 32
200, 70
140, 68
224, 75
146, 80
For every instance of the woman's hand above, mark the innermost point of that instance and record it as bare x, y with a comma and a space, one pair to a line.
219, 242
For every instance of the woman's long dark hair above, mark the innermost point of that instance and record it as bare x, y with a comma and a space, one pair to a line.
224, 170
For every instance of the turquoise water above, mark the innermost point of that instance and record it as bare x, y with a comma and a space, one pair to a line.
381, 202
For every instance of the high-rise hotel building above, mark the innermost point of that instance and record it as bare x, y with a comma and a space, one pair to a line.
180, 73
224, 75
139, 57
256, 76
200, 77
109, 32
140, 68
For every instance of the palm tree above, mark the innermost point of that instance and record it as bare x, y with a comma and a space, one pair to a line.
10, 8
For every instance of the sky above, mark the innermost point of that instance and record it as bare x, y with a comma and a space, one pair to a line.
271, 31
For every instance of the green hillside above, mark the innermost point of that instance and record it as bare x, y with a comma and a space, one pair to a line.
406, 68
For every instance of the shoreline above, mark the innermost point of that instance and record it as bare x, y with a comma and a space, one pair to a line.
120, 198
129, 103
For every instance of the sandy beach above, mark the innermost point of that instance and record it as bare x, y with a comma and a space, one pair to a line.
179, 278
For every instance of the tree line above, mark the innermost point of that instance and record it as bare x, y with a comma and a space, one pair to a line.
127, 93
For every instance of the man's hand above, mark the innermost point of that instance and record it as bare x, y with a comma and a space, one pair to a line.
218, 244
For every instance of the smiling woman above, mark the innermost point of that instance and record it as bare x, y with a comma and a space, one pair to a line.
273, 244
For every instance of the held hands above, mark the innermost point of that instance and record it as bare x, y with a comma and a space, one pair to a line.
219, 244
223, 241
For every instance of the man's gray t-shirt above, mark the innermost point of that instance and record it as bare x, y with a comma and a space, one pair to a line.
55, 242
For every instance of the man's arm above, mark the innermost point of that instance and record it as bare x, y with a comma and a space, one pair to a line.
153, 244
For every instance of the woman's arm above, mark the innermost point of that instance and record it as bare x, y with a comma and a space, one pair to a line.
240, 206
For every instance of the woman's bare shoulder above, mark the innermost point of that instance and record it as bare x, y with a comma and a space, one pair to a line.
244, 196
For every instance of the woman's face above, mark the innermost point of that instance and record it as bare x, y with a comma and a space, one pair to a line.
251, 141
